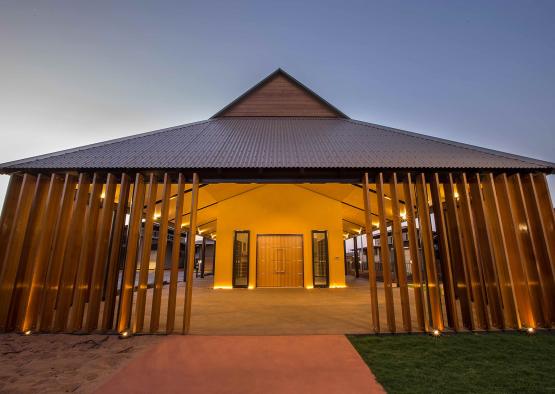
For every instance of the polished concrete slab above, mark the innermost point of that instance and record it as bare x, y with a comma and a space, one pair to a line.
281, 311
239, 364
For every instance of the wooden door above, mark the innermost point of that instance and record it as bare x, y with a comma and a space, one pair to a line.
279, 261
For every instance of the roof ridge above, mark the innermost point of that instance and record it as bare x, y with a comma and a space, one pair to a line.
504, 155
97, 144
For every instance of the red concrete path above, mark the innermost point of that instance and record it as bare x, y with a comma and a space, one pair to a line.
253, 364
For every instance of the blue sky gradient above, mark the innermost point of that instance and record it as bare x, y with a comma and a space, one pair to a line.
78, 72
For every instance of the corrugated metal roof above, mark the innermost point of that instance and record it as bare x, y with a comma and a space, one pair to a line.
289, 142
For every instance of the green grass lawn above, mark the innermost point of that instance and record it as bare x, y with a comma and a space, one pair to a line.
462, 363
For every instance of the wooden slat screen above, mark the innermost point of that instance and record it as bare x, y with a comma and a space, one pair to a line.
75, 251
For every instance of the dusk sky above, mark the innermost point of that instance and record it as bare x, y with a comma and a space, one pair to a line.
78, 72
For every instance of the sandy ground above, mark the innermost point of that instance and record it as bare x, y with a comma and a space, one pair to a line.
64, 363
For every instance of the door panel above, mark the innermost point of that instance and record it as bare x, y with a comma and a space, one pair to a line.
279, 261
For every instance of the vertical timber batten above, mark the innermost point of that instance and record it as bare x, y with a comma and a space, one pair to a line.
41, 252
445, 258
542, 248
190, 255
433, 290
114, 254
456, 245
415, 259
145, 253
493, 221
101, 253
56, 257
384, 254
28, 255
161, 255
371, 266
86, 258
176, 247
399, 253
130, 267
472, 257
515, 253
72, 253
14, 247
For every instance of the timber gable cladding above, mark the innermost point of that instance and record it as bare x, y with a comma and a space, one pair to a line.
77, 226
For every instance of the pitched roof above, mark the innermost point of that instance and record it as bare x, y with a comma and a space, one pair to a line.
278, 142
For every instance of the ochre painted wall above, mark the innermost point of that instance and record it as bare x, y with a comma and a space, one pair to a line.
279, 209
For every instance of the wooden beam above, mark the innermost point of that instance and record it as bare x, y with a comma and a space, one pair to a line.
72, 253
541, 243
176, 247
86, 256
130, 267
515, 253
112, 271
369, 244
445, 258
485, 247
140, 304
384, 255
499, 243
57, 253
456, 245
101, 253
434, 300
415, 259
39, 253
472, 257
14, 247
400, 253
191, 256
161, 255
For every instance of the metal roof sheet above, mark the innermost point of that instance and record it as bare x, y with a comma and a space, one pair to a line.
286, 142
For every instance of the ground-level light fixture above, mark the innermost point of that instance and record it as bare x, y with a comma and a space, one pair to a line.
125, 334
530, 331
436, 333
27, 332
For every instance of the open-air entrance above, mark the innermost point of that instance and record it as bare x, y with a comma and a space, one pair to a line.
279, 260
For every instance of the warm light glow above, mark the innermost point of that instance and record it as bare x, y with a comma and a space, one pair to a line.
28, 332
156, 216
522, 227
337, 286
103, 196
360, 230
251, 287
223, 287
456, 194
403, 215
436, 333
125, 334
530, 331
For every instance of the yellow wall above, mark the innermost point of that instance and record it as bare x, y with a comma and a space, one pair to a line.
279, 209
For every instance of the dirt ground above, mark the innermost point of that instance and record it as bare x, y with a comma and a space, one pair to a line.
64, 363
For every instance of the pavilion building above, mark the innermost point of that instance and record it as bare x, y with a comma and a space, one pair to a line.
462, 236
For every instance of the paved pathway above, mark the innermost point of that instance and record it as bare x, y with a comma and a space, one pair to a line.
246, 364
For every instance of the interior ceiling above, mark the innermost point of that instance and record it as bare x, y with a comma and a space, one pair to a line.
349, 195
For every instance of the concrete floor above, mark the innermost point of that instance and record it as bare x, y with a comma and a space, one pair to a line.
280, 311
